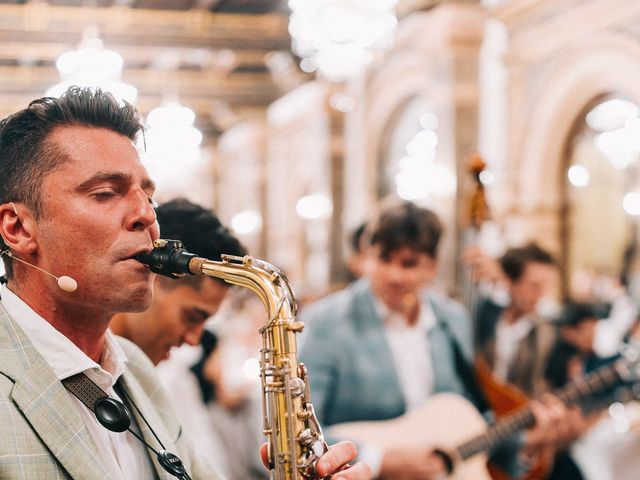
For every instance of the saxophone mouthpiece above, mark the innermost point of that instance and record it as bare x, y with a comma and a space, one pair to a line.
168, 258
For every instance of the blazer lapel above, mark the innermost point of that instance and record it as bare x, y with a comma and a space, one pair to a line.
374, 345
522, 372
46, 404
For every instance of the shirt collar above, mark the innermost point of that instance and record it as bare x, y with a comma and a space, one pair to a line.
518, 329
426, 320
62, 355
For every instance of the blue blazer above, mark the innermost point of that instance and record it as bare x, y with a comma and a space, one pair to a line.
350, 365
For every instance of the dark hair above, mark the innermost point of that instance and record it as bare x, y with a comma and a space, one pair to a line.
27, 155
406, 225
209, 342
573, 313
514, 261
198, 228
355, 239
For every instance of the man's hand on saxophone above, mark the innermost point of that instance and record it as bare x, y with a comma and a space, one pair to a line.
335, 462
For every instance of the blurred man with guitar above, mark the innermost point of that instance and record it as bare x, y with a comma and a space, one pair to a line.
511, 336
387, 344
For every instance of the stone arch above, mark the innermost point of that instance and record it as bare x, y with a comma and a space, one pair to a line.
574, 79
406, 76
605, 64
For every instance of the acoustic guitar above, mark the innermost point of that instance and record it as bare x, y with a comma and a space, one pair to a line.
450, 424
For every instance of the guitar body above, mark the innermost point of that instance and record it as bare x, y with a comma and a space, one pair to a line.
443, 422
450, 423
504, 399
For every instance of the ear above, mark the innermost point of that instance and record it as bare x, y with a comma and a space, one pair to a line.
17, 227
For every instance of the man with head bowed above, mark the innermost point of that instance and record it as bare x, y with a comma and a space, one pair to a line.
75, 201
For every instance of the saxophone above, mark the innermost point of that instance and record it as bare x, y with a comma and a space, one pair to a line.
294, 438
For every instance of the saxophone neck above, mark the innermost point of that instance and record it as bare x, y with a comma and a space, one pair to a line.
171, 259
264, 279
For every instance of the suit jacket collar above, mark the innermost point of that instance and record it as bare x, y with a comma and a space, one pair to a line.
363, 307
46, 405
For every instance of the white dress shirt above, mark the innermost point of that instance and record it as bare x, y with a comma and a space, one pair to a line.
610, 332
123, 456
411, 352
509, 336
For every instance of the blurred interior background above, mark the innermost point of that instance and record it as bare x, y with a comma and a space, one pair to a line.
293, 119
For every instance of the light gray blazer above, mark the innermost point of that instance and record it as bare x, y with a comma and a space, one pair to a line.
42, 435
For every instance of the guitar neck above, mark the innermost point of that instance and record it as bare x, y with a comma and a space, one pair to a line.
572, 393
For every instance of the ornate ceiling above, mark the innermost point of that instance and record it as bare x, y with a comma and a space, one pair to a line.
226, 59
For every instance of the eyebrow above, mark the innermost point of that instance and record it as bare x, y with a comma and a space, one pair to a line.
114, 177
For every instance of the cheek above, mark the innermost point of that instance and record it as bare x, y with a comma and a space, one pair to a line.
167, 322
414, 277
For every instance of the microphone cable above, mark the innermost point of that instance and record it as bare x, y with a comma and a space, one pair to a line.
114, 415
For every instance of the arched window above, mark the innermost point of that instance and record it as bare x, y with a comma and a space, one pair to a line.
601, 198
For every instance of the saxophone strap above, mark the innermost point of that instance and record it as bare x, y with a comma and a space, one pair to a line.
114, 415
84, 390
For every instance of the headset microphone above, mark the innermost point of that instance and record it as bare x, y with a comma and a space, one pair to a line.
65, 282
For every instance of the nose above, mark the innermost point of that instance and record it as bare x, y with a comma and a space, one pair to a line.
395, 275
142, 214
193, 335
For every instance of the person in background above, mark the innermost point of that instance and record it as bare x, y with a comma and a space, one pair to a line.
173, 325
387, 343
603, 450
572, 351
568, 361
510, 334
181, 307
232, 373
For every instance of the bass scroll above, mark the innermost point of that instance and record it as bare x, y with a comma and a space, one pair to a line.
294, 437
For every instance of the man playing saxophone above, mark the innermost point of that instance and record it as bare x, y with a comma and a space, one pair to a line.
76, 205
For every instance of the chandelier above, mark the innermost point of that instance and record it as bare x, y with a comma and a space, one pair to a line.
339, 37
92, 65
172, 148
